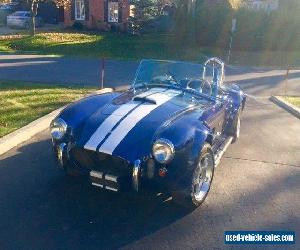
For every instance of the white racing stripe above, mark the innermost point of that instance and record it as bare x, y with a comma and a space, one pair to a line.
105, 128
108, 125
132, 119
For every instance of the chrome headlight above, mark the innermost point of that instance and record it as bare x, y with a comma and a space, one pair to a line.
58, 128
163, 151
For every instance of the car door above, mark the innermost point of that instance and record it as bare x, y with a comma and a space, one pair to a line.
215, 117
225, 105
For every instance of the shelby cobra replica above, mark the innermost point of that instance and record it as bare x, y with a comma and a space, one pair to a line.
169, 129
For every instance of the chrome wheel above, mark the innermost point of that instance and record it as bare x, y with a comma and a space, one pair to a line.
202, 178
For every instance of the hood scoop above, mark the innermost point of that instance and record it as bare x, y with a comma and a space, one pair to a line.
144, 99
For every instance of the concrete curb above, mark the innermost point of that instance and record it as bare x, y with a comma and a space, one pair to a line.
285, 105
25, 133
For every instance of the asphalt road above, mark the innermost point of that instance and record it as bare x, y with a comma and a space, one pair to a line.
76, 71
65, 70
256, 187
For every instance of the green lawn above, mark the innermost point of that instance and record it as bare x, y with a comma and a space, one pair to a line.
21, 103
128, 47
108, 45
295, 100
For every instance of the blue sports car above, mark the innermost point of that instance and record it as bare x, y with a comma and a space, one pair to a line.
170, 130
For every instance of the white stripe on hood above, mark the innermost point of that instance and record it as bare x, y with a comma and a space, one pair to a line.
111, 121
133, 118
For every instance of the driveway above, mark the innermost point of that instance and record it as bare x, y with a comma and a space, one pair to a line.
256, 187
4, 30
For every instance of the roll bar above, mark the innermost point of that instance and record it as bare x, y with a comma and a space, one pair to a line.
215, 63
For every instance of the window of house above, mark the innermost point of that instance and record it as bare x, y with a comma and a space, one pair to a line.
79, 10
131, 13
113, 12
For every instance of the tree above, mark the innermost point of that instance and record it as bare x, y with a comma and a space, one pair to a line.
145, 10
62, 3
34, 5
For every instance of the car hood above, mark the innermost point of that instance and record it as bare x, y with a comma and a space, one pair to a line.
127, 126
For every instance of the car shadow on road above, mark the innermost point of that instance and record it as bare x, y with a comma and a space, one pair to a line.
42, 207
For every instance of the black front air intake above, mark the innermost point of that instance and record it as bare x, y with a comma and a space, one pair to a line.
98, 161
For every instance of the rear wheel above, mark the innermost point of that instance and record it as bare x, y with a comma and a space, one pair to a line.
235, 128
200, 182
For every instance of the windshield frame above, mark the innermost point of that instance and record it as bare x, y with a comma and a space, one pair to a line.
215, 82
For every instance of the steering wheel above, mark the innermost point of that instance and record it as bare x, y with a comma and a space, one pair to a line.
202, 86
167, 78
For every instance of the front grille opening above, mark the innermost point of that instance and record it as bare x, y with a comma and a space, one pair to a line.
98, 161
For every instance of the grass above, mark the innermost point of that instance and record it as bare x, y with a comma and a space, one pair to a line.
22, 103
104, 45
294, 100
128, 47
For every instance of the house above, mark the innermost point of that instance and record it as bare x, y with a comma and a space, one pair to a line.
98, 14
50, 13
265, 5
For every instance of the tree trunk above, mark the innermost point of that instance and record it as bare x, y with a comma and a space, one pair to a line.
33, 15
192, 20
32, 26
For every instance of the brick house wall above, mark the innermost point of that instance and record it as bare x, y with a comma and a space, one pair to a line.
97, 15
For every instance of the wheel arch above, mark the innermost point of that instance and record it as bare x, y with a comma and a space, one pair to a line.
201, 137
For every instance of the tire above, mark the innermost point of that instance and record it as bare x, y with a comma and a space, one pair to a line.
200, 182
27, 26
235, 128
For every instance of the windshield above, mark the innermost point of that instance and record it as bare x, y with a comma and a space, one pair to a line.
183, 75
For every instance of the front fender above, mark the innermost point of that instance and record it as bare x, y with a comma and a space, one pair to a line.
186, 163
76, 113
188, 146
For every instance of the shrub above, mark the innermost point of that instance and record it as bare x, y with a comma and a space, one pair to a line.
77, 26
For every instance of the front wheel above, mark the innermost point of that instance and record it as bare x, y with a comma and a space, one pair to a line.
200, 182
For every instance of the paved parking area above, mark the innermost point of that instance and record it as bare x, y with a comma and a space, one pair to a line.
256, 187
4, 30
